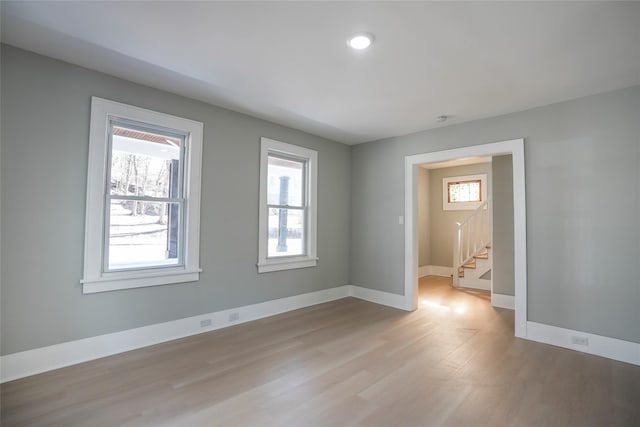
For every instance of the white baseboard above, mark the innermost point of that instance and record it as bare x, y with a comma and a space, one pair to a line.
503, 301
612, 348
482, 284
435, 270
31, 362
379, 297
423, 270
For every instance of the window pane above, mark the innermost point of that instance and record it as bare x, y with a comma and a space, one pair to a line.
285, 182
286, 232
474, 191
468, 191
144, 163
143, 234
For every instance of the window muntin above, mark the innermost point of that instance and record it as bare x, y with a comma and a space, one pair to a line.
144, 230
287, 219
143, 225
292, 169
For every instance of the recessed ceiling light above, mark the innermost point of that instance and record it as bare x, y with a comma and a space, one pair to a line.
360, 41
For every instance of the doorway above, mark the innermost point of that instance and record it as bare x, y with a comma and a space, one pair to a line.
516, 149
455, 206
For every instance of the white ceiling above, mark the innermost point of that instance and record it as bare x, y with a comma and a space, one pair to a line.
288, 62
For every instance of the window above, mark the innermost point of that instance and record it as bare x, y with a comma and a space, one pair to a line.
464, 192
287, 219
143, 198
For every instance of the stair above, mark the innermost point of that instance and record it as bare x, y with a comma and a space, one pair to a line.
470, 275
472, 249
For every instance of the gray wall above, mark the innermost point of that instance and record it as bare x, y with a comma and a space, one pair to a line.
582, 172
45, 113
582, 161
424, 218
443, 223
502, 245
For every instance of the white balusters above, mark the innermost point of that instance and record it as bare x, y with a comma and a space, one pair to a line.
472, 236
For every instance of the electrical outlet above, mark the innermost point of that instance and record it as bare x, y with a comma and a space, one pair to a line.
234, 316
575, 339
204, 323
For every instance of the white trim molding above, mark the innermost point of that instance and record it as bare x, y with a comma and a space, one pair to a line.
475, 283
96, 277
271, 147
435, 270
463, 206
19, 365
31, 362
516, 149
378, 297
503, 301
612, 348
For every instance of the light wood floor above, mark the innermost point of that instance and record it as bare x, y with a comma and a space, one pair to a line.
348, 362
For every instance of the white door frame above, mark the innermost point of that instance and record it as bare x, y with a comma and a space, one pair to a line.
514, 147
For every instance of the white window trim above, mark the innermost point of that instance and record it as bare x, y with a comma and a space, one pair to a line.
463, 206
94, 278
265, 264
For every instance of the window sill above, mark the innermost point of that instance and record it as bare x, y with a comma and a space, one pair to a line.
286, 264
463, 206
118, 281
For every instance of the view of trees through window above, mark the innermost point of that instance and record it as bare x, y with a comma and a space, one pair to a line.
144, 215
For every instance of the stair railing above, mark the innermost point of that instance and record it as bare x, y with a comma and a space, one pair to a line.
472, 236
